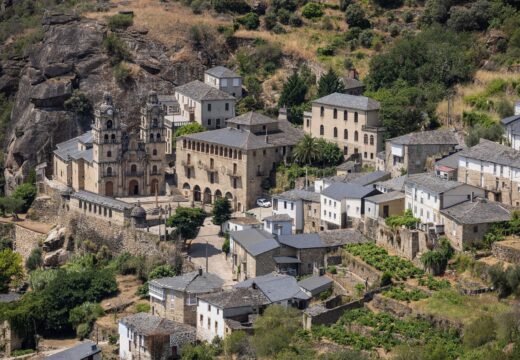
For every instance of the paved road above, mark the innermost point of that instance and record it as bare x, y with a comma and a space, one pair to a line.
216, 258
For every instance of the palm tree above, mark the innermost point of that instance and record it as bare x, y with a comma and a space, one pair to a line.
307, 150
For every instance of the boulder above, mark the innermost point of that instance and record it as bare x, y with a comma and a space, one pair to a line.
56, 258
52, 93
58, 69
55, 240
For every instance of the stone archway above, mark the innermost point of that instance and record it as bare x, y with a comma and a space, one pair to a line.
218, 194
196, 193
229, 196
133, 188
207, 196
109, 188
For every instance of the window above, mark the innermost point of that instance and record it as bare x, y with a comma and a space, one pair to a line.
209, 307
209, 107
365, 139
285, 204
191, 300
356, 117
356, 136
308, 122
201, 319
109, 172
371, 139
106, 137
335, 113
475, 228
345, 115
154, 170
154, 152
216, 326
335, 132
227, 106
322, 130
365, 155
322, 111
345, 134
109, 153
151, 137
158, 136
292, 206
209, 323
209, 122
109, 124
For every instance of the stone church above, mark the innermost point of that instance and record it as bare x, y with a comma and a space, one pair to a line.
111, 160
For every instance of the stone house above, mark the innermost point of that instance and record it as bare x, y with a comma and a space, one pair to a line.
252, 252
447, 167
241, 223
205, 104
9, 339
175, 298
427, 195
362, 179
101, 207
218, 313
315, 285
511, 125
352, 122
493, 167
86, 350
466, 223
384, 205
393, 184
149, 337
235, 161
111, 161
341, 203
224, 79
409, 153
278, 224
298, 204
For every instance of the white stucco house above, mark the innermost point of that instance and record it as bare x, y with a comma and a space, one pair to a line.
294, 203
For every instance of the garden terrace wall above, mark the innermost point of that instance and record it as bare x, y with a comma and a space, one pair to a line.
360, 268
392, 306
507, 250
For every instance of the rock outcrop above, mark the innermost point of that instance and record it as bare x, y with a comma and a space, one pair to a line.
55, 239
72, 56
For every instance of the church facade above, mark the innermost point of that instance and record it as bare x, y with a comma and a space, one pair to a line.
111, 161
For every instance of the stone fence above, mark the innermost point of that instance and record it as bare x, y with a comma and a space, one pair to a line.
360, 268
507, 250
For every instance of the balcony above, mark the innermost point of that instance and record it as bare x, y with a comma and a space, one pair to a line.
107, 175
187, 163
232, 173
134, 173
207, 168
375, 129
190, 109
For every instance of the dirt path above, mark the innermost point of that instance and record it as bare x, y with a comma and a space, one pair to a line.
42, 228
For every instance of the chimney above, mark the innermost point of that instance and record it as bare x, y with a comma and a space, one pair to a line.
200, 271
253, 285
94, 347
472, 196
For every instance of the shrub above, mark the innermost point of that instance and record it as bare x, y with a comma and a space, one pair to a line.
25, 192
355, 17
237, 343
162, 271
433, 284
238, 6
343, 4
270, 20
401, 294
327, 50
120, 21
324, 295
386, 278
116, 48
332, 269
407, 17
225, 244
142, 307
365, 38
250, 21
284, 16
83, 331
394, 30
504, 108
312, 10
35, 259
78, 103
437, 260
480, 332
407, 220
122, 75
494, 133
295, 21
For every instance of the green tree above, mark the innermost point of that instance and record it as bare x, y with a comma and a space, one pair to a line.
307, 150
35, 259
312, 10
191, 128
221, 211
10, 205
330, 83
237, 343
187, 221
11, 270
330, 153
78, 103
250, 21
162, 271
355, 17
480, 332
494, 132
85, 314
274, 330
25, 192
293, 93
437, 260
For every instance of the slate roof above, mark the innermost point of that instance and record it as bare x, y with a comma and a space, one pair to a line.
480, 211
396, 184
451, 161
340, 191
236, 138
147, 324
348, 101
254, 241
276, 287
244, 220
431, 182
102, 200
222, 72
346, 166
372, 177
78, 352
238, 297
431, 137
251, 118
286, 260
351, 83
199, 91
70, 150
297, 194
340, 237
9, 297
389, 196
192, 282
302, 241
278, 217
287, 135
510, 119
314, 282
493, 152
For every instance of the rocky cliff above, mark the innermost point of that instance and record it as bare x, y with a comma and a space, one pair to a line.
71, 56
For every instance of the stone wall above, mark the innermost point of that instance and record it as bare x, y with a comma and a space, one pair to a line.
507, 250
26, 240
328, 316
361, 268
391, 306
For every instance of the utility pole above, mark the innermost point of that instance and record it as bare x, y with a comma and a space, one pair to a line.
207, 244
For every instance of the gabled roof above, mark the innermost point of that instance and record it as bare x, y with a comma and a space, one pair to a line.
276, 287
222, 72
236, 138
147, 324
389, 196
351, 83
302, 241
314, 282
396, 184
193, 282
199, 91
102, 200
451, 161
510, 119
479, 211
252, 118
254, 241
348, 101
297, 194
245, 220
333, 238
432, 183
278, 217
493, 152
371, 177
236, 298
70, 149
339, 191
81, 351
432, 137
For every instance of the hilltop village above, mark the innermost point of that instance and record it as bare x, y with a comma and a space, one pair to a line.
398, 226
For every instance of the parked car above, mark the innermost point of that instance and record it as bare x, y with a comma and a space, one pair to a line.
263, 203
